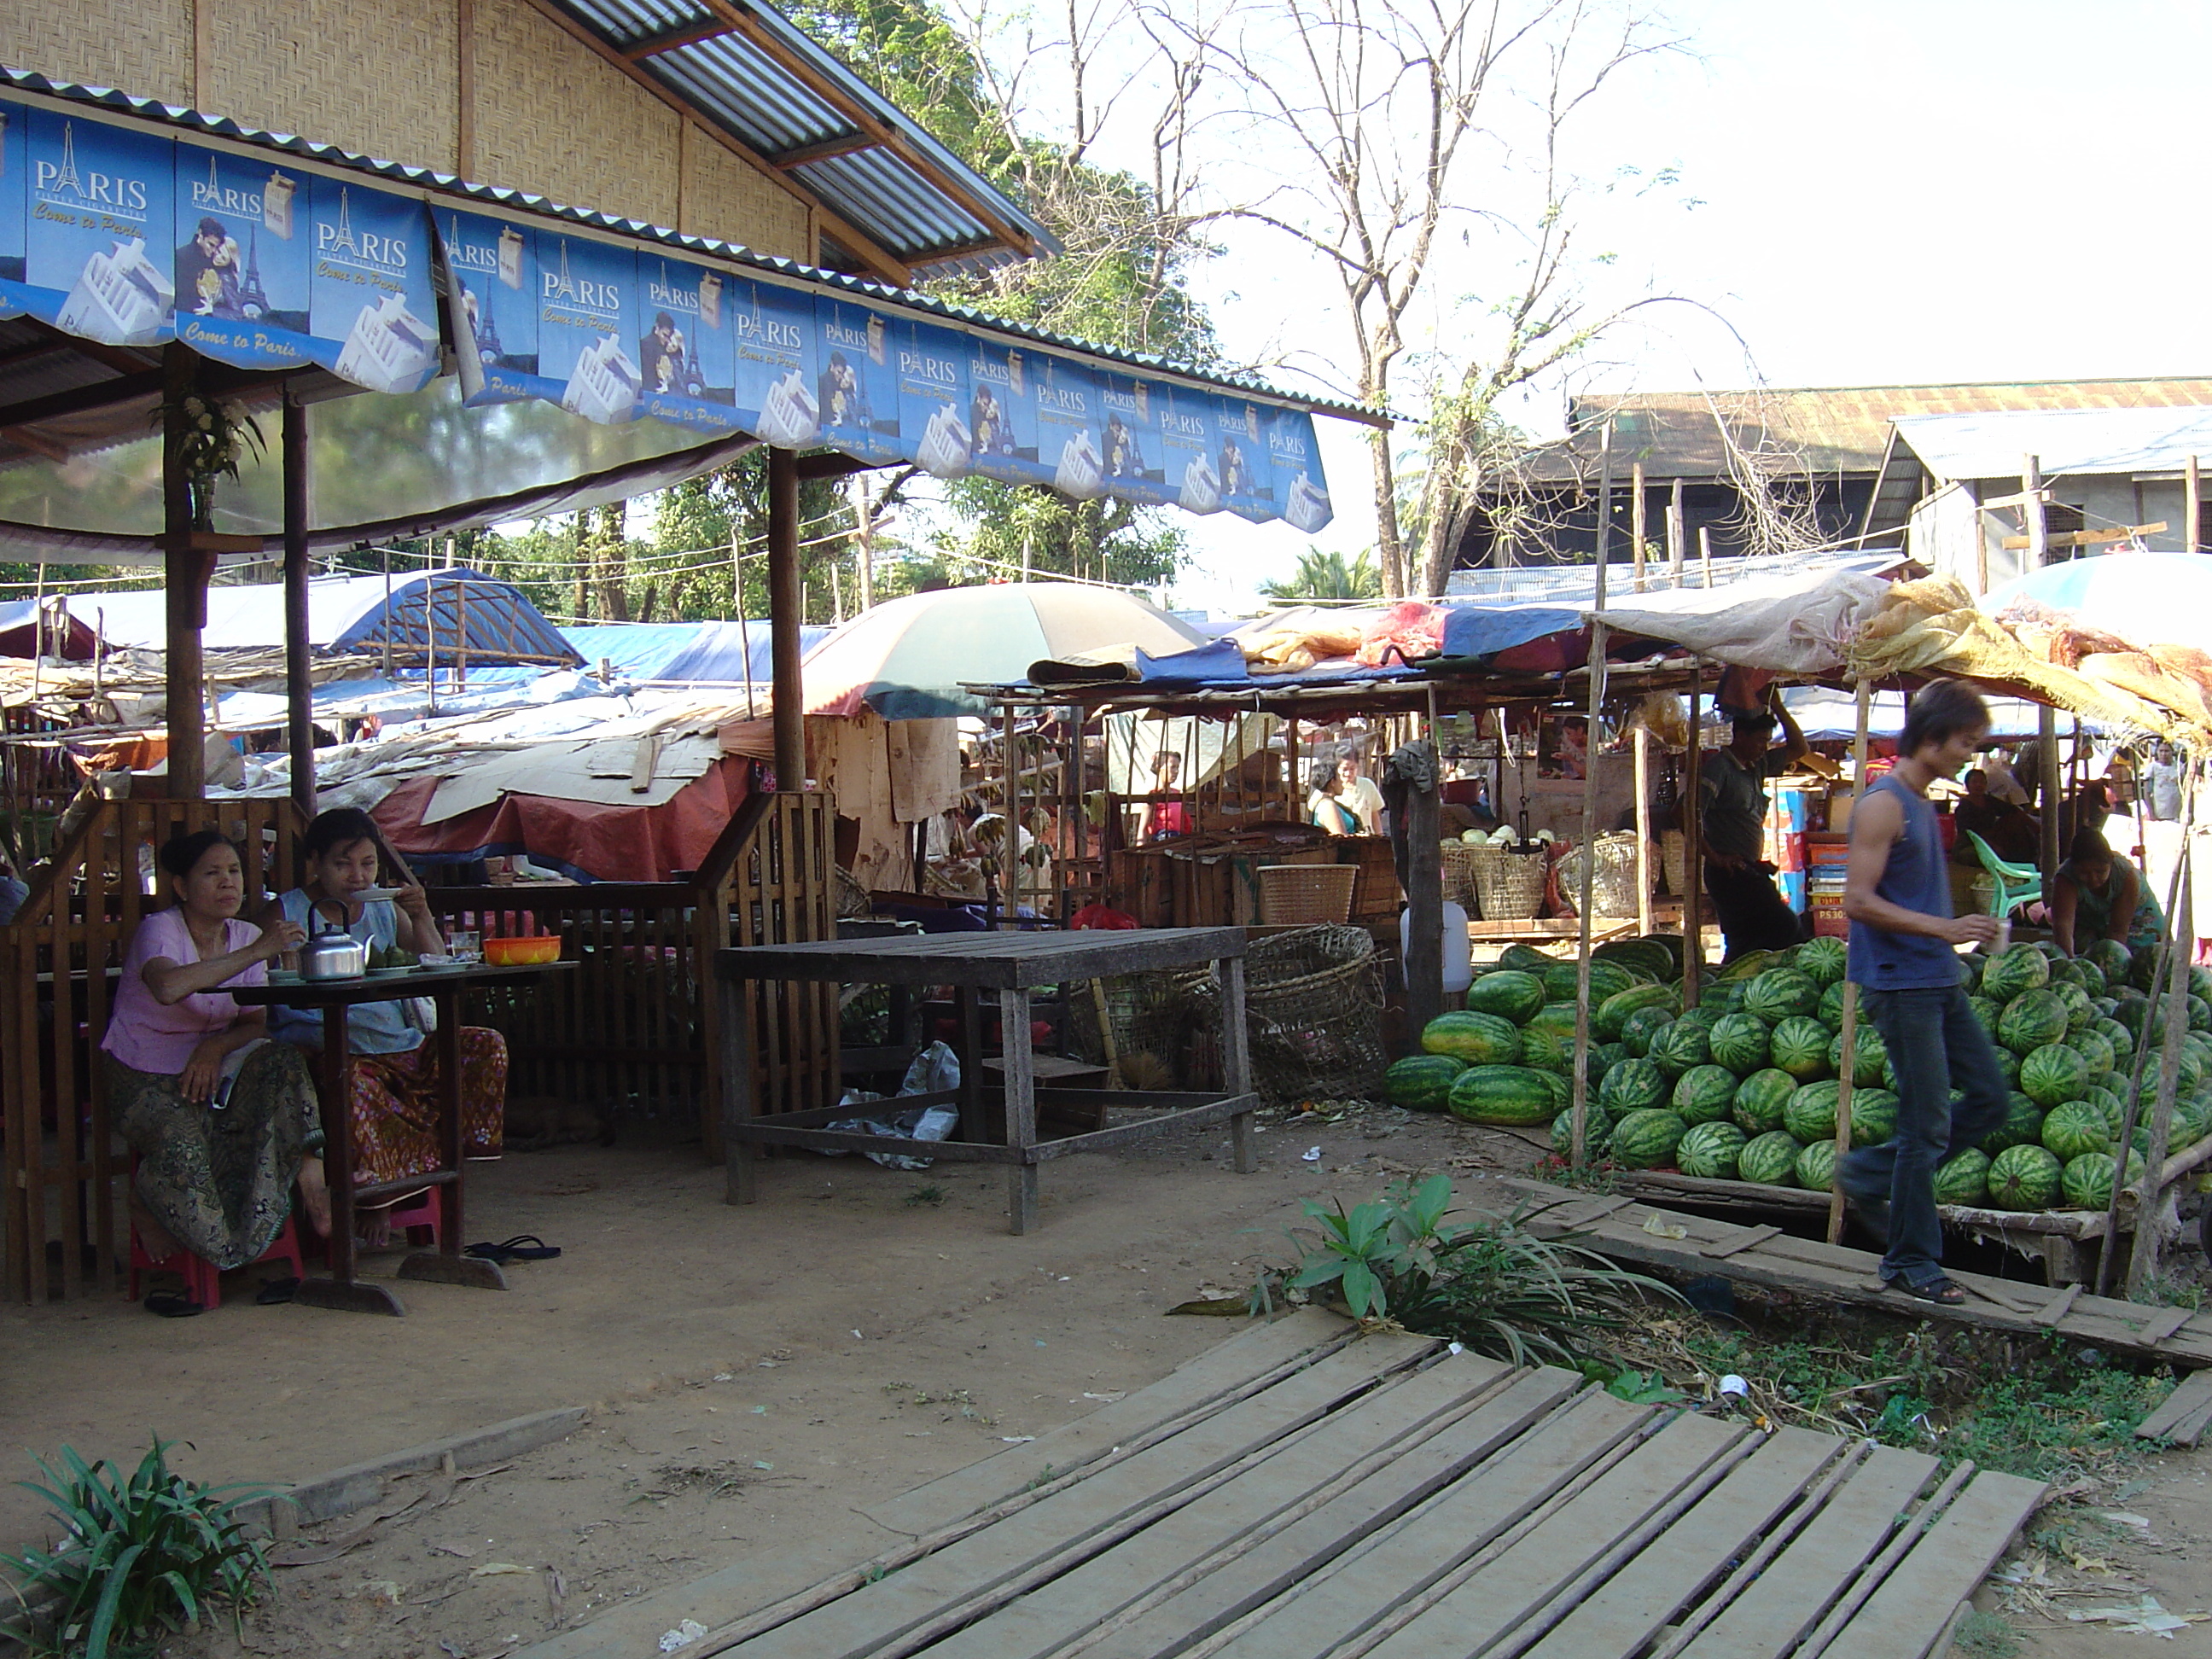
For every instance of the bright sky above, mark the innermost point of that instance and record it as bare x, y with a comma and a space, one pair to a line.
1892, 192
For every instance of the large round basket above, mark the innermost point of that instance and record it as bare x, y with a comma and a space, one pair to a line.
1313, 1004
1508, 886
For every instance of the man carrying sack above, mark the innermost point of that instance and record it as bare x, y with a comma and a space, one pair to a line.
1732, 806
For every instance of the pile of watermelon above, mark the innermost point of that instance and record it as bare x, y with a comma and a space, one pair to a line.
1745, 1087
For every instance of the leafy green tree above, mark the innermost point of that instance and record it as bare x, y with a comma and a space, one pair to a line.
1323, 576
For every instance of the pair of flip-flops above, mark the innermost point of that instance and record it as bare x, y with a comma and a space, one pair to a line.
523, 1247
273, 1292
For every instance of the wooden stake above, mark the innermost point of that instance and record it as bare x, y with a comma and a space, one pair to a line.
1642, 828
1851, 995
1693, 873
1674, 535
1636, 525
1578, 1141
2143, 1261
2193, 503
1705, 553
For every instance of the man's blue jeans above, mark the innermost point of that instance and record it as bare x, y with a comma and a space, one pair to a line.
1936, 1045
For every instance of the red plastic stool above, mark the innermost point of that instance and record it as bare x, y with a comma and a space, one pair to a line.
419, 1216
203, 1280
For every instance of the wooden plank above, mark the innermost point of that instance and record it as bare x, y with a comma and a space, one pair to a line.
1506, 1591
2192, 1397
1742, 1241
1225, 1372
1387, 1422
1273, 1564
1775, 1611
1631, 1608
879, 1614
1903, 1617
2164, 1323
1321, 1614
2059, 1305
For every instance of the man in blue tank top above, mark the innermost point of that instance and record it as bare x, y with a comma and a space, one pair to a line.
1904, 961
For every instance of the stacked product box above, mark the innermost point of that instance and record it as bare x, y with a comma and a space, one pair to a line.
1825, 858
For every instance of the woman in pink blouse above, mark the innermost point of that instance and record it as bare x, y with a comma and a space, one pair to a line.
223, 1120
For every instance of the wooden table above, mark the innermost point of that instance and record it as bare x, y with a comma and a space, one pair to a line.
1012, 964
334, 996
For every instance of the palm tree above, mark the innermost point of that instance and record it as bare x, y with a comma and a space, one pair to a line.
1323, 576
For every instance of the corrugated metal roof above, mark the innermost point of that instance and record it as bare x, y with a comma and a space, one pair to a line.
516, 201
747, 68
2076, 443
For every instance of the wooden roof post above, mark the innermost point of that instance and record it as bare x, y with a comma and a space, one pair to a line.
299, 688
1578, 1141
185, 571
784, 605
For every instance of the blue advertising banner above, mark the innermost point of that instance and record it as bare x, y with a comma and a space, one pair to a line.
1067, 426
240, 266
932, 399
490, 311
776, 363
372, 308
856, 389
687, 356
98, 209
1300, 492
1130, 453
1002, 432
15, 169
1185, 423
587, 325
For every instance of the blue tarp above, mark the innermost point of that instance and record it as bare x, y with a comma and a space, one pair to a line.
1483, 631
686, 652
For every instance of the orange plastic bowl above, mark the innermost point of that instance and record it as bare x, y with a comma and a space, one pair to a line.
517, 953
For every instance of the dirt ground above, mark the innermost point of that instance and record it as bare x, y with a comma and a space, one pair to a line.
757, 1375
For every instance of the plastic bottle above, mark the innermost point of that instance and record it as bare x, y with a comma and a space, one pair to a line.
1459, 949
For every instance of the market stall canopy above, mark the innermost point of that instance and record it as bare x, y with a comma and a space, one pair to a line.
424, 617
1826, 715
62, 635
910, 658
2146, 599
2062, 441
1795, 624
717, 653
279, 260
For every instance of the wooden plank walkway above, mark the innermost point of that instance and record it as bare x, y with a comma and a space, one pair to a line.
1635, 1231
1304, 1493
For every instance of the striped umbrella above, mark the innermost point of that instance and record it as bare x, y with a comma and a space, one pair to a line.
907, 659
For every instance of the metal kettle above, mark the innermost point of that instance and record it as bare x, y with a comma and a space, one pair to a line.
331, 952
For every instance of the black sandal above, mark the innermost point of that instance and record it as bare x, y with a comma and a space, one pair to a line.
1939, 1290
523, 1247
172, 1307
276, 1292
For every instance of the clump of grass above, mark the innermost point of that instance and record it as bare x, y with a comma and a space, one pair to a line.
1985, 1636
928, 1192
150, 1553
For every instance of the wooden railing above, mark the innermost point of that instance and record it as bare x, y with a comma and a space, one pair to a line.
629, 1030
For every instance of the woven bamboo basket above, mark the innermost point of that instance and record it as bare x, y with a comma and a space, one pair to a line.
1298, 894
1508, 886
1612, 888
1460, 859
1674, 854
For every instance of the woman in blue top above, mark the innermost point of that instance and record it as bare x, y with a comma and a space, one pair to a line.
392, 1082
1904, 958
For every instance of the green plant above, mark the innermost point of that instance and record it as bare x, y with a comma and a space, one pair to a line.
136, 1557
1490, 1285
926, 1194
1985, 1636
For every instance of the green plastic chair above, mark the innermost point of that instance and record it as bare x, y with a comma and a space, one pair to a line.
2016, 883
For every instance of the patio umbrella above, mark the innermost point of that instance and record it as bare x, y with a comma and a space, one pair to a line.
2146, 599
908, 659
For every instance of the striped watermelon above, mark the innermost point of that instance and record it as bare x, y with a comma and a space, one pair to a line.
2052, 1074
1761, 1099
1799, 1046
1721, 996
1739, 1041
2097, 1054
2089, 976
1597, 1132
2109, 1107
1874, 1117
1868, 1056
1557, 1017
1544, 1049
2025, 1178
1478, 1039
1811, 1113
1986, 1012
1830, 1014
1770, 1159
1647, 1139
1421, 1083
1508, 993
1704, 1094
1637, 1030
2075, 1127
1511, 1095
1681, 1047
2086, 1182
2008, 1065
1779, 994
1709, 1151
2112, 959
1969, 971
1633, 1085
1821, 960
2022, 1125
1613, 1013
2021, 968
2080, 1014
1963, 1178
2031, 1019
1816, 1166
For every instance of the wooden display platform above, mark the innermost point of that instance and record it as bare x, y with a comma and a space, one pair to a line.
1619, 1226
1302, 1491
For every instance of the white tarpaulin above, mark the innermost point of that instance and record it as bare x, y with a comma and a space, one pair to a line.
1791, 625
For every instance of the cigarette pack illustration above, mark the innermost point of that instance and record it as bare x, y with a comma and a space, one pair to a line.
1308, 507
276, 205
603, 387
389, 349
1201, 488
1079, 474
946, 451
788, 414
121, 298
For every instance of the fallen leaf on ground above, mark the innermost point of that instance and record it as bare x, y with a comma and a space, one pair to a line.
489, 1568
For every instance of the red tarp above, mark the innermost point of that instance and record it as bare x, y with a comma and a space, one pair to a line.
580, 838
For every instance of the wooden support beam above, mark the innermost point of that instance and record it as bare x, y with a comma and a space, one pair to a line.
827, 464
784, 603
298, 687
2192, 507
828, 149
690, 34
2086, 537
185, 572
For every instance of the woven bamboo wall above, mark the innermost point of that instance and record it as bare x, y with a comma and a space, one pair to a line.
145, 48
725, 197
553, 118
379, 80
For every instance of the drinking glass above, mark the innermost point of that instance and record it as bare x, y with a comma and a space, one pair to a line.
464, 944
